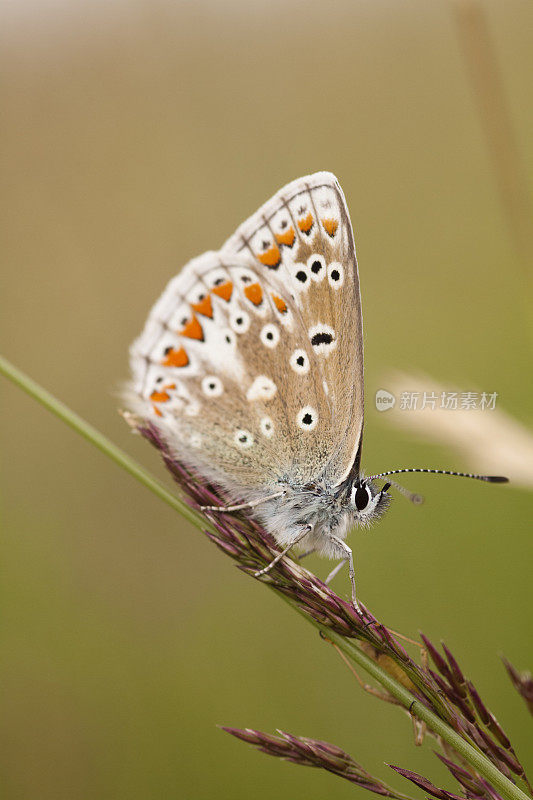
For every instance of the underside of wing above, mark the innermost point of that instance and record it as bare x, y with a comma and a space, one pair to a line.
229, 376
303, 236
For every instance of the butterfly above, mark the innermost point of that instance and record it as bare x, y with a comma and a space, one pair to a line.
250, 366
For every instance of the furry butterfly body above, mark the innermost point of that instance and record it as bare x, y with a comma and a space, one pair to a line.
251, 367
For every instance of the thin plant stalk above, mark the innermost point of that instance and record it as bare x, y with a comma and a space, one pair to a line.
468, 751
417, 709
91, 434
488, 89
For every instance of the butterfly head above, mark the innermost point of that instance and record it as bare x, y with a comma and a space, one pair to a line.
367, 501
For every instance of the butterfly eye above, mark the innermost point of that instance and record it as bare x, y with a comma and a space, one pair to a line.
361, 496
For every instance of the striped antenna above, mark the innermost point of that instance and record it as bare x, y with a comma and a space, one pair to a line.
488, 478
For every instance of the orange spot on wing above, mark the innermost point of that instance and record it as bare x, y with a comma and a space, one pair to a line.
204, 307
280, 304
224, 290
157, 411
193, 329
254, 293
306, 223
330, 226
271, 257
159, 397
287, 237
176, 358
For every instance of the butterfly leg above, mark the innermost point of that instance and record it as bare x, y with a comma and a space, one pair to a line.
241, 506
419, 727
306, 553
279, 556
348, 557
335, 571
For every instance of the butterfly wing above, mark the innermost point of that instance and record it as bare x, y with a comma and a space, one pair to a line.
304, 236
243, 366
223, 371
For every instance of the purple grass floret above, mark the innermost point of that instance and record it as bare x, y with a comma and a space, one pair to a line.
461, 775
475, 719
458, 678
522, 682
424, 784
487, 717
315, 753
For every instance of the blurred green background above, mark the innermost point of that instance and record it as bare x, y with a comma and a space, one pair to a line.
136, 135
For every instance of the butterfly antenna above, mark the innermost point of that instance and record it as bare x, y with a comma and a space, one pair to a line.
487, 478
417, 499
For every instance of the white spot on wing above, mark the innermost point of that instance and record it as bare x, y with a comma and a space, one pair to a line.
307, 418
300, 277
316, 265
270, 335
299, 362
335, 275
217, 276
212, 386
243, 439
197, 293
267, 427
262, 388
322, 337
239, 321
